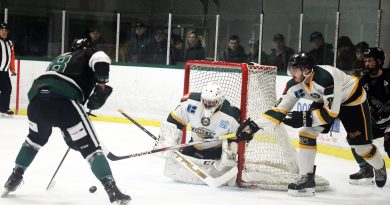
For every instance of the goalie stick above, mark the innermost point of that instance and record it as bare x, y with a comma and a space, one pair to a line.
202, 175
180, 158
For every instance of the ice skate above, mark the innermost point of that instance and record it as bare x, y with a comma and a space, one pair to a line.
116, 197
380, 176
365, 176
13, 181
7, 114
304, 186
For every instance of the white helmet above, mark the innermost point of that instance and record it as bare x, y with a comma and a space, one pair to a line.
212, 97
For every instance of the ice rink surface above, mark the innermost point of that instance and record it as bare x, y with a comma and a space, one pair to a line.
142, 177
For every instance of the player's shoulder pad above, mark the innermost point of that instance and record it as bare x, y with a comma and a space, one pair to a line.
231, 110
289, 84
191, 96
323, 76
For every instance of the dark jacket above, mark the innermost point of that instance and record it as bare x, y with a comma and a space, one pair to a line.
237, 56
280, 60
196, 52
324, 55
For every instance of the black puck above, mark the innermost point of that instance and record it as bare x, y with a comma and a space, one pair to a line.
92, 189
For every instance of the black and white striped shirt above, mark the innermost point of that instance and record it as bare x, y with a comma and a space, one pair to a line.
6, 55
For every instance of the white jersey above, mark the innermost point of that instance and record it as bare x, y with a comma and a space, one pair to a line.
328, 85
190, 111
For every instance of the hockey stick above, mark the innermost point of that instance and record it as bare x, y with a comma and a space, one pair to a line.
180, 158
51, 183
114, 157
138, 125
202, 175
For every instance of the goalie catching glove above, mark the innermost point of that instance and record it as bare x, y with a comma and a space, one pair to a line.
246, 130
297, 119
99, 97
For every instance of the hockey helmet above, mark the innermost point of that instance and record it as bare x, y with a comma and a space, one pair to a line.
301, 60
212, 98
81, 43
376, 53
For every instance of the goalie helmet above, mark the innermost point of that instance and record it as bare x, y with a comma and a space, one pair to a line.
212, 98
301, 60
81, 43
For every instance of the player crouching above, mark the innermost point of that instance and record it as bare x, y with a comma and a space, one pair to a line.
210, 116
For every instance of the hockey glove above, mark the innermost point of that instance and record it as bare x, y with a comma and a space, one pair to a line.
99, 97
246, 130
297, 119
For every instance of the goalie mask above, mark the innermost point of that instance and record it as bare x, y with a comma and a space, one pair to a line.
212, 98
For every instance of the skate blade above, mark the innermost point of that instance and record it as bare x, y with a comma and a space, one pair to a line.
302, 192
5, 193
365, 181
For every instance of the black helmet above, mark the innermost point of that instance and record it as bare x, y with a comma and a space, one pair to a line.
375, 52
81, 43
3, 25
301, 60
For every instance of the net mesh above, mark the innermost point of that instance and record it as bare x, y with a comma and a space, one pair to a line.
269, 159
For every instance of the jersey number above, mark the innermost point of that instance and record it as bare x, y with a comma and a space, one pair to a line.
59, 64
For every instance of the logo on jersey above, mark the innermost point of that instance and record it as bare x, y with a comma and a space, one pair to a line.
385, 83
205, 121
315, 95
191, 109
224, 124
203, 132
299, 93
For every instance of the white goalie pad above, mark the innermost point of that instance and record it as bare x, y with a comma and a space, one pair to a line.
214, 168
169, 135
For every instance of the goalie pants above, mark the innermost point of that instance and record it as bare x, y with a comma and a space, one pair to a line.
49, 110
211, 153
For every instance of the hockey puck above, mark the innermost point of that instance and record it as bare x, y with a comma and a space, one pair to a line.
92, 189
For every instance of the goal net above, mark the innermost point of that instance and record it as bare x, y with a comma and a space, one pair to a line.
268, 161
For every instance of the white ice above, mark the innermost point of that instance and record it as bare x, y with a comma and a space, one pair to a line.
142, 177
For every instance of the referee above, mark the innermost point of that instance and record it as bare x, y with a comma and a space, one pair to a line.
7, 62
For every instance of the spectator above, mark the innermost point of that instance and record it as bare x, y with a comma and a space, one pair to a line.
235, 52
93, 34
177, 50
7, 62
123, 47
193, 47
253, 55
345, 54
358, 65
280, 53
158, 48
139, 44
322, 52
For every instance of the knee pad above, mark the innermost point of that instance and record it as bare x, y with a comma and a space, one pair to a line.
387, 143
367, 151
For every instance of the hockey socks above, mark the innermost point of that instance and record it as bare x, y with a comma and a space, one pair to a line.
26, 155
100, 166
